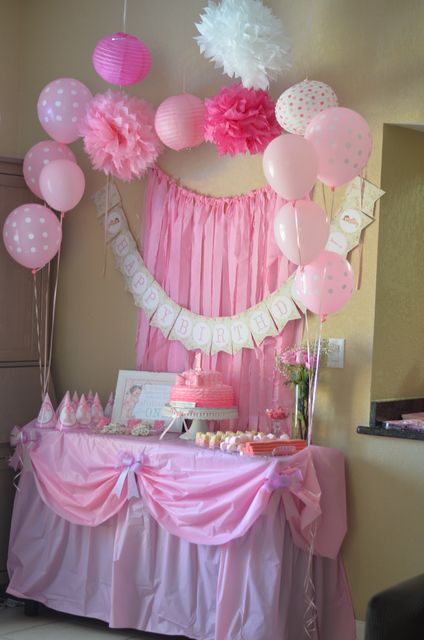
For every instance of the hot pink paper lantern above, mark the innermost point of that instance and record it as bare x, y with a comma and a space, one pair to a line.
121, 59
179, 121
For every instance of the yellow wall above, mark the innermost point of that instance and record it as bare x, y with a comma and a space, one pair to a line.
398, 357
372, 53
10, 70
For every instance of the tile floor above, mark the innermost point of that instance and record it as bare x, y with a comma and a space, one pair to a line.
49, 625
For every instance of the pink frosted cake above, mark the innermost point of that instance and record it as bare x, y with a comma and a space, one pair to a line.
203, 388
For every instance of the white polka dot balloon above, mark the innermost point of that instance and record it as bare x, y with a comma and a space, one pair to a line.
297, 106
38, 157
342, 140
61, 107
326, 284
32, 235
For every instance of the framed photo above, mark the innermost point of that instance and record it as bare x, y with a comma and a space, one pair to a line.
141, 395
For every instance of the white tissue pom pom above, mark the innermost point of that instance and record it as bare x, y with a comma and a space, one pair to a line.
246, 39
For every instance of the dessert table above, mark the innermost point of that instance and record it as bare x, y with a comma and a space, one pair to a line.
167, 537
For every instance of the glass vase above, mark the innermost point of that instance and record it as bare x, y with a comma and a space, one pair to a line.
300, 413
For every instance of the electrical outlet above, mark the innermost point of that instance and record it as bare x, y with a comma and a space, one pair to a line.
335, 357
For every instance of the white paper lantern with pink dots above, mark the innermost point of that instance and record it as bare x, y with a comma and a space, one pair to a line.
297, 106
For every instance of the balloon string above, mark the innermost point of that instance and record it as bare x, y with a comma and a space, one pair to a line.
106, 225
54, 304
317, 355
46, 327
332, 204
324, 197
310, 615
124, 17
40, 366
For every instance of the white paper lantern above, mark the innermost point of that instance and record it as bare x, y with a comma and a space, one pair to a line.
297, 106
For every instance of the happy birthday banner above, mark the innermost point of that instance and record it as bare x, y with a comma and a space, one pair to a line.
230, 333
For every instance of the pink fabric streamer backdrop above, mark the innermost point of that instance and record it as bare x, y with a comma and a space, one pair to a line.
202, 496
216, 257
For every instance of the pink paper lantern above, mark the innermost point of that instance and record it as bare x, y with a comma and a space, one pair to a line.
121, 59
179, 121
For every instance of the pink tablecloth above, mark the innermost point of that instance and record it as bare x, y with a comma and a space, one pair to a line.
209, 550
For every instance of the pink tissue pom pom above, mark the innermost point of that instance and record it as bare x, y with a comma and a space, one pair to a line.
240, 120
119, 135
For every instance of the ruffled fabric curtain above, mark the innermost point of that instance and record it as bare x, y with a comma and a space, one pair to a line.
216, 257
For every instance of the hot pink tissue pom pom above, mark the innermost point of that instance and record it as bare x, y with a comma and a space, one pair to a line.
119, 135
240, 120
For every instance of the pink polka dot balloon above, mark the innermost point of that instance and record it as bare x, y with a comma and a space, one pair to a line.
342, 140
38, 157
326, 284
32, 235
61, 108
300, 103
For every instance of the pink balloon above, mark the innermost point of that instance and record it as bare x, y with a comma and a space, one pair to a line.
38, 156
62, 184
61, 108
326, 284
343, 143
32, 235
290, 165
301, 230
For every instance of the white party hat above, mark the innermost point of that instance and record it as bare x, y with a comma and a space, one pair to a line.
65, 398
90, 397
67, 419
109, 406
47, 417
83, 412
96, 410
75, 400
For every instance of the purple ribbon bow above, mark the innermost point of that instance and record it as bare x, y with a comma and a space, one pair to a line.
129, 465
284, 480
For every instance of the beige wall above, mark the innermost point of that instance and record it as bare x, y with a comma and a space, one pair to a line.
398, 357
10, 70
372, 53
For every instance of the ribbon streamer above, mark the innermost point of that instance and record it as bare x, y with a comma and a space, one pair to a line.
129, 465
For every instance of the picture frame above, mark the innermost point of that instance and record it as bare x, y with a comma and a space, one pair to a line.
141, 395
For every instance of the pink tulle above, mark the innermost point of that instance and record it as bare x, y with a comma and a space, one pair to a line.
119, 135
240, 120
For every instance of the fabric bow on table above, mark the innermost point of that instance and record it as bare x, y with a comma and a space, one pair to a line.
129, 465
285, 480
18, 438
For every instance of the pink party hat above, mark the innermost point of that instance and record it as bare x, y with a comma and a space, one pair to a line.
75, 400
47, 417
83, 412
109, 407
65, 398
67, 419
90, 397
96, 410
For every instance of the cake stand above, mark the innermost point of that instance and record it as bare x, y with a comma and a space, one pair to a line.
200, 417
